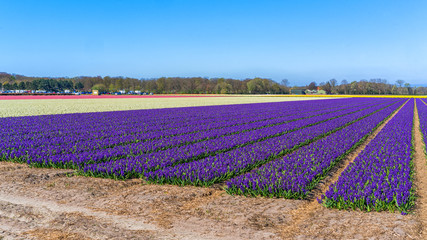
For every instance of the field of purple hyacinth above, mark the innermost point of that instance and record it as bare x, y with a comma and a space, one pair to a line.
422, 113
380, 178
281, 149
297, 173
225, 165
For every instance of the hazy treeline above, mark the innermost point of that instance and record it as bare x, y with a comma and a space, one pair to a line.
373, 86
202, 85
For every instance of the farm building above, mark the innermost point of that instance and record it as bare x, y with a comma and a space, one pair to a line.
298, 91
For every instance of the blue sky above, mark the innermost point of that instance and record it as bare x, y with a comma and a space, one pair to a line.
302, 41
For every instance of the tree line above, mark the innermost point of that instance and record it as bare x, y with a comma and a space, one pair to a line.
375, 86
201, 85
165, 85
50, 85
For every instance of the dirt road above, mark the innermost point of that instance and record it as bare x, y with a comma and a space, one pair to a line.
48, 204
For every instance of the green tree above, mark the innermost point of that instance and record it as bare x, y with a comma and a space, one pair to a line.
100, 87
119, 83
22, 86
276, 88
28, 85
252, 86
7, 86
112, 88
256, 85
79, 86
223, 88
161, 85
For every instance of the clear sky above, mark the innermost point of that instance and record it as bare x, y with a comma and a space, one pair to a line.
299, 40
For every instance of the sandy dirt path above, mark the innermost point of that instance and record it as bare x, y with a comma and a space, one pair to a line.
48, 204
420, 176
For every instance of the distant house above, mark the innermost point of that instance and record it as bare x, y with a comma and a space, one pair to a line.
308, 91
298, 91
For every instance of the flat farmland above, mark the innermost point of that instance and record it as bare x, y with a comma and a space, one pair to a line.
342, 168
11, 106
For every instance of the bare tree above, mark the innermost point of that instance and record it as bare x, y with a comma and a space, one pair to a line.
421, 90
285, 82
400, 82
312, 86
327, 87
344, 86
408, 88
363, 86
333, 83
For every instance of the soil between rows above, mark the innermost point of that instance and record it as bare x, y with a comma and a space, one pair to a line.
420, 176
55, 204
46, 204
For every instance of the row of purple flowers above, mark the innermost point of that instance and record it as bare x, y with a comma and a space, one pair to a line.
185, 152
221, 166
422, 113
70, 139
152, 140
294, 175
380, 178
